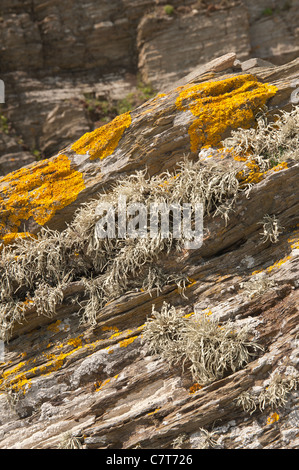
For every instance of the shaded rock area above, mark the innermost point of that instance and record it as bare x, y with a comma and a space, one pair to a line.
72, 58
95, 384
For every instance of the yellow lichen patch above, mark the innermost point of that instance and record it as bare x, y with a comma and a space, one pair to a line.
103, 141
75, 342
207, 312
281, 166
57, 361
38, 192
273, 418
166, 183
153, 412
192, 282
11, 237
54, 327
124, 343
277, 264
21, 384
118, 333
18, 382
93, 345
15, 380
9, 372
110, 328
237, 158
254, 175
294, 240
222, 105
99, 385
188, 315
194, 388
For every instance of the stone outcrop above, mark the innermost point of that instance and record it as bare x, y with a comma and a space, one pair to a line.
95, 384
53, 55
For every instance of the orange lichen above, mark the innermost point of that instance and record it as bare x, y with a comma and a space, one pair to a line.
237, 158
57, 361
99, 385
222, 105
273, 418
188, 315
110, 328
207, 312
103, 141
255, 175
75, 342
192, 282
14, 370
11, 237
277, 264
54, 327
21, 381
17, 383
118, 333
165, 183
124, 343
294, 241
194, 388
280, 166
153, 412
38, 192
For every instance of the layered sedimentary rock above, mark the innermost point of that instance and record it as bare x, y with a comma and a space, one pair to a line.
80, 367
53, 56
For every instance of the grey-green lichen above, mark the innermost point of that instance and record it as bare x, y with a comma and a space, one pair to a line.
35, 270
271, 141
209, 350
274, 395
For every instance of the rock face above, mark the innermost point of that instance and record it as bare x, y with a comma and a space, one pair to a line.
53, 56
83, 364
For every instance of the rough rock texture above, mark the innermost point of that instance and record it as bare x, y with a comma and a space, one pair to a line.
54, 54
98, 383
171, 46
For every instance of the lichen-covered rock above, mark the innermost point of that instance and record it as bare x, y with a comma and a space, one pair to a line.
54, 57
160, 132
82, 366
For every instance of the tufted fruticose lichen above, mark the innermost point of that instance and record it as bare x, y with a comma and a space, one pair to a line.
37, 192
221, 105
103, 141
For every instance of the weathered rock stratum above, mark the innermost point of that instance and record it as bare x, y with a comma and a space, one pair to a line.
144, 342
68, 65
